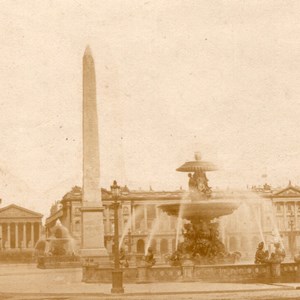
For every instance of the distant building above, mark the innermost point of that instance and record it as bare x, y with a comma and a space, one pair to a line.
138, 213
274, 214
20, 228
286, 205
271, 212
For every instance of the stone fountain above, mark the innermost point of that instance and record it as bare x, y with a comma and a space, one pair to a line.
202, 256
58, 250
201, 244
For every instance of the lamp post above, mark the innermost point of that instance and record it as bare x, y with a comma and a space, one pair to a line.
117, 273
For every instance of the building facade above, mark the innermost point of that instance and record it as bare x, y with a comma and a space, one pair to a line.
140, 219
20, 228
264, 215
286, 208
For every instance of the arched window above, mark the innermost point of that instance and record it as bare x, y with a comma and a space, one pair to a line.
164, 246
140, 246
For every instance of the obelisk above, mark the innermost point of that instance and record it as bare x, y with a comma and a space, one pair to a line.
92, 240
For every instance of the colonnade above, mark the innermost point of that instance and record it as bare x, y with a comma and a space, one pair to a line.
23, 235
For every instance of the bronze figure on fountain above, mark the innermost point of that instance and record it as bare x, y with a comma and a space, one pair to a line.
149, 258
278, 255
202, 244
261, 256
198, 182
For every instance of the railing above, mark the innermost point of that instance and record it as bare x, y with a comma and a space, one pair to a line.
211, 273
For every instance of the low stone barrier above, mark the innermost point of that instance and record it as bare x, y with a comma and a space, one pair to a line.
92, 273
264, 273
58, 262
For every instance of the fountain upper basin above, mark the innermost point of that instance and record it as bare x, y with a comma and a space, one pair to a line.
203, 209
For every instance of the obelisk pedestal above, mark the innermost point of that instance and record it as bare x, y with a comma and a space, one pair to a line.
92, 235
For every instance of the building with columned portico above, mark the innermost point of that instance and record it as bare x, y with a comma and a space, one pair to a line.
20, 228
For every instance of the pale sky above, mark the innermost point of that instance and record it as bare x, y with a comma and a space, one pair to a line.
173, 77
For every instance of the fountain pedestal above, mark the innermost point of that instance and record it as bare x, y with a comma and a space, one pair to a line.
142, 272
297, 261
275, 269
187, 266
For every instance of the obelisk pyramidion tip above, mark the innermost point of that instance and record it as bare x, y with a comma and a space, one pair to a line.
87, 51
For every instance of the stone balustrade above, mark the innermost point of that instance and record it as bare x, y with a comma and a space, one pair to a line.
211, 273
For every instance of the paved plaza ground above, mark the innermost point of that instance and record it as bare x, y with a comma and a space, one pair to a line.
27, 282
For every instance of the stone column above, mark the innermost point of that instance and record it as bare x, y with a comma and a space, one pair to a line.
1, 237
284, 217
296, 215
16, 235
107, 219
133, 218
8, 235
24, 236
169, 223
158, 246
156, 212
145, 218
39, 231
32, 234
170, 248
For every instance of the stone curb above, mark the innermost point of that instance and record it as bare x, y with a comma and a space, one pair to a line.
64, 295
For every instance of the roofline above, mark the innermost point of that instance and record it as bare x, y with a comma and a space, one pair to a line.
22, 208
287, 188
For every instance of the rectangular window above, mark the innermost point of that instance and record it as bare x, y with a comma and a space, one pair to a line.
279, 208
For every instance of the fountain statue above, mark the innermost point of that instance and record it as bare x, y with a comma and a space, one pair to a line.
149, 258
58, 250
201, 243
261, 255
60, 243
278, 255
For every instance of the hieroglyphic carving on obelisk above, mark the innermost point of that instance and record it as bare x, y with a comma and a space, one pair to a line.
92, 242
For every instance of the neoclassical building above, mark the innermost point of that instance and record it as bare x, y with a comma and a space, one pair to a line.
286, 205
20, 228
262, 215
139, 218
271, 214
